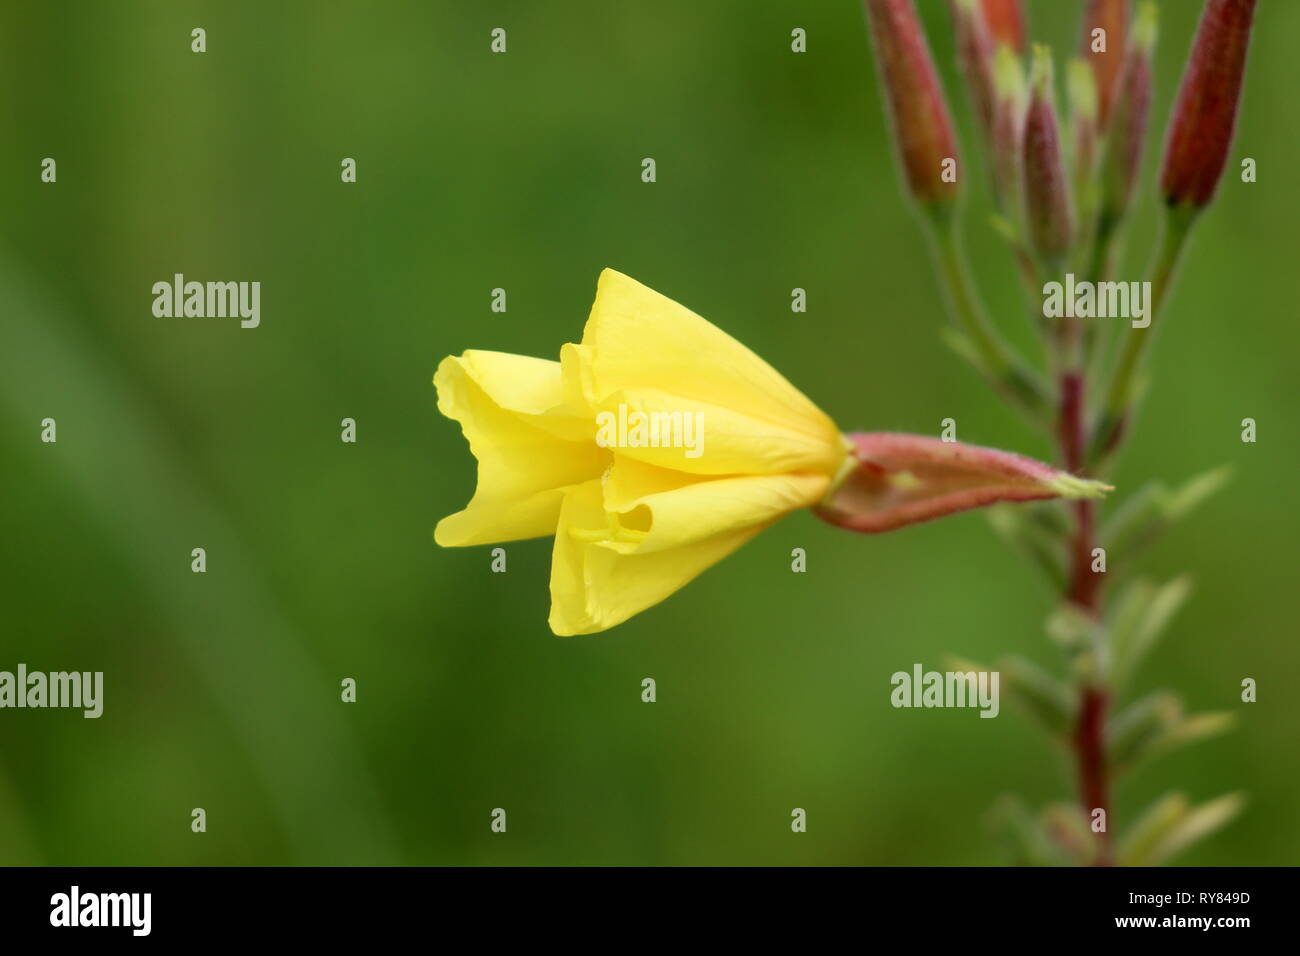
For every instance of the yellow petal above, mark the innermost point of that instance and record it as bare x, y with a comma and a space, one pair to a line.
625, 547
656, 352
507, 408
707, 439
655, 509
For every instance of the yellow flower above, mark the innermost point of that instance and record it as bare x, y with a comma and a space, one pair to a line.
634, 518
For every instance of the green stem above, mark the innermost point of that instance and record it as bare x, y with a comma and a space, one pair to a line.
1006, 371
1119, 405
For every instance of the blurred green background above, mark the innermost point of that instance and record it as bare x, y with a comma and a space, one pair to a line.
523, 171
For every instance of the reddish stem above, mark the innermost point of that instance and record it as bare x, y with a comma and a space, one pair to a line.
1084, 592
1089, 744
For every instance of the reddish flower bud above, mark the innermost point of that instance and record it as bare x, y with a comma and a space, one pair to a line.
1006, 20
1107, 66
975, 53
1010, 101
1206, 110
1129, 121
917, 109
904, 479
1049, 210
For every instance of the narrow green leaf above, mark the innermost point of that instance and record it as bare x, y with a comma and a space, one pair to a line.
1130, 521
1156, 725
1141, 617
1135, 728
1187, 828
1041, 696
1022, 835
1139, 844
1068, 828
1180, 502
1151, 511
1189, 730
962, 346
1018, 528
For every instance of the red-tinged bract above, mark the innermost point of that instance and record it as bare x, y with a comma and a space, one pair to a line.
903, 479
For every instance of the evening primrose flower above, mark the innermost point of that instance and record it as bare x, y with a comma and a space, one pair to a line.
636, 511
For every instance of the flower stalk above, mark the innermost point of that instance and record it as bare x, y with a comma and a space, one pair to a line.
1196, 151
1010, 376
1060, 216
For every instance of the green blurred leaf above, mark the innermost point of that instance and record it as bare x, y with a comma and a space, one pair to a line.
1003, 227
1171, 825
1152, 510
1189, 730
1068, 828
1082, 638
1031, 690
1135, 727
1140, 618
1038, 694
961, 345
1019, 528
1157, 724
1023, 836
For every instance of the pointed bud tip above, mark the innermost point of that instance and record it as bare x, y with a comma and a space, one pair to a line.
1082, 84
1145, 27
1008, 75
1071, 486
1040, 71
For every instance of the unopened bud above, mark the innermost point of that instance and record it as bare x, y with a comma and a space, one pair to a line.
1010, 102
1206, 110
1049, 210
1111, 17
900, 479
1128, 128
975, 53
1006, 20
917, 109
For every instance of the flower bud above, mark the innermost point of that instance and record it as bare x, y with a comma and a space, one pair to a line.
1206, 110
1128, 127
1006, 20
1107, 66
1010, 101
917, 109
899, 479
1082, 86
1049, 211
975, 53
